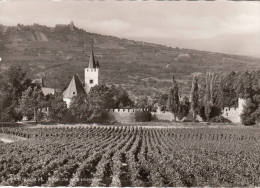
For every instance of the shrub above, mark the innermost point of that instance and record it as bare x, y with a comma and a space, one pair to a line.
141, 116
68, 118
219, 119
247, 116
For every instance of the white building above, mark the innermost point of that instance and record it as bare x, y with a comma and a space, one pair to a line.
233, 113
45, 90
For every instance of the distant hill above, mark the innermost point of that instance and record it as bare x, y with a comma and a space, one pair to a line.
57, 53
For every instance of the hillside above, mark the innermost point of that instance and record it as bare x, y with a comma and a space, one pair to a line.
57, 53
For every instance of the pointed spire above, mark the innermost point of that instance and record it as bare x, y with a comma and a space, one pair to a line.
92, 62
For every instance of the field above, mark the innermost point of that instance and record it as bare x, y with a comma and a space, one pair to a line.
130, 156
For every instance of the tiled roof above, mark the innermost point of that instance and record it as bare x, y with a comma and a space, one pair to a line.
74, 88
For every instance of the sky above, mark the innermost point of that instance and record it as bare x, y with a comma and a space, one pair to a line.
220, 26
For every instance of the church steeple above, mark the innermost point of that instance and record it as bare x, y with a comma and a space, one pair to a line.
93, 64
92, 71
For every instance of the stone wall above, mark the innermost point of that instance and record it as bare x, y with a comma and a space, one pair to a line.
233, 113
128, 115
123, 115
164, 116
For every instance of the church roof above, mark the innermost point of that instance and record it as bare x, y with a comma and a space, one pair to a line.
74, 88
92, 62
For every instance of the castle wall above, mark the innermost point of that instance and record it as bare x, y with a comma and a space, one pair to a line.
233, 113
128, 115
123, 115
164, 116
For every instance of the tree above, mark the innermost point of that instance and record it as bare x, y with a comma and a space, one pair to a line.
58, 108
256, 114
121, 98
12, 84
17, 81
248, 87
246, 116
93, 107
162, 102
244, 87
142, 102
86, 108
79, 108
31, 103
111, 97
103, 95
97, 109
142, 116
184, 107
227, 90
173, 98
209, 94
194, 98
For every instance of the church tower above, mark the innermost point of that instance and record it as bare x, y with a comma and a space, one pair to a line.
91, 72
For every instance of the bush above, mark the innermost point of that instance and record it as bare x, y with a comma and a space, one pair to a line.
247, 115
101, 117
248, 120
58, 109
141, 116
219, 119
68, 118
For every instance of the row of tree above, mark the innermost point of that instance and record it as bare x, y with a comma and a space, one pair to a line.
210, 92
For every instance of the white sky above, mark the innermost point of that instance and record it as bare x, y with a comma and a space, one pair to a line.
225, 26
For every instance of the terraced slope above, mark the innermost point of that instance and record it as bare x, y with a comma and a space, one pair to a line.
59, 52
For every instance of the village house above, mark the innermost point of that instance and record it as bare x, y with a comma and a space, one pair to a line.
45, 90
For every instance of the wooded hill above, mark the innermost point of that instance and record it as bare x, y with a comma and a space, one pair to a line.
57, 53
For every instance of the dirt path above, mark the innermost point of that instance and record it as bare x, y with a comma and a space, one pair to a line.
9, 139
6, 140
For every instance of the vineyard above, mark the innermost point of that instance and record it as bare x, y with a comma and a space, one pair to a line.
130, 156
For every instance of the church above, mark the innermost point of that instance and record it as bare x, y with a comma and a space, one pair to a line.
76, 87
